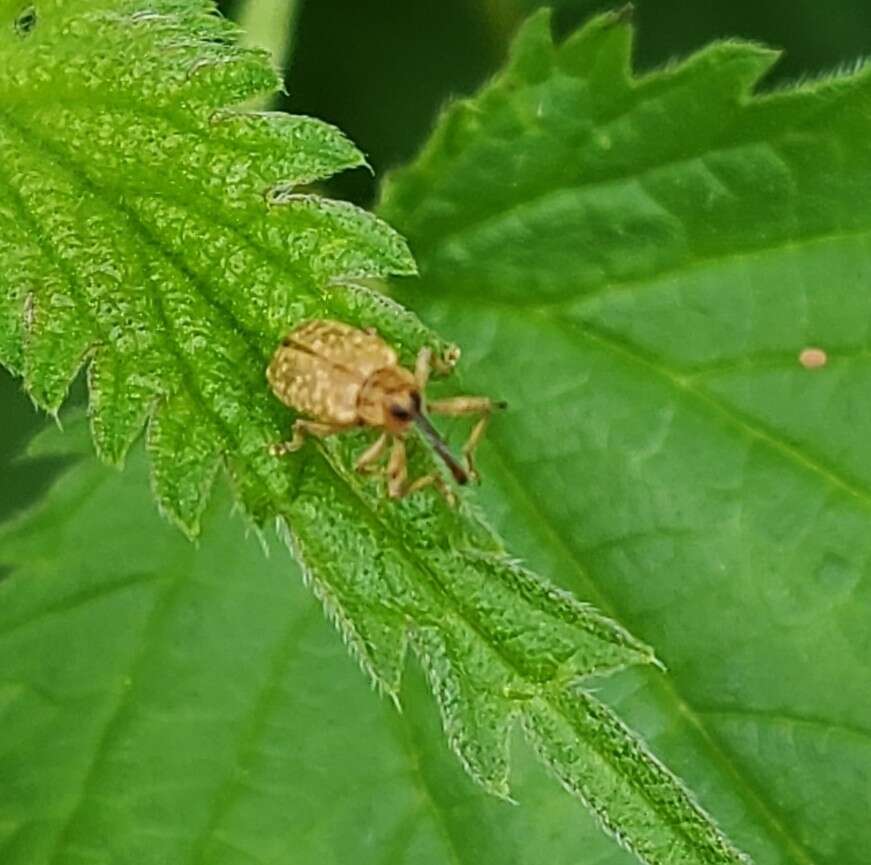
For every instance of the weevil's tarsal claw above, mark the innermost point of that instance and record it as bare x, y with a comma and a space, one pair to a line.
435, 481
281, 449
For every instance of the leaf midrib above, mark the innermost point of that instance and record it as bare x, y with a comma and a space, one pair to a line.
780, 717
210, 202
253, 728
162, 607
577, 300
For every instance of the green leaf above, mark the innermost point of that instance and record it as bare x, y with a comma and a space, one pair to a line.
160, 238
166, 703
637, 264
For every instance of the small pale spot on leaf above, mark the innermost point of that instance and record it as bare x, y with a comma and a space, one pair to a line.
813, 358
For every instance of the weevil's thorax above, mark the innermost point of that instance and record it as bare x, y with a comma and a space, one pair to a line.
389, 399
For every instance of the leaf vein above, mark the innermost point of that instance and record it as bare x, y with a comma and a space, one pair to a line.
160, 610
253, 729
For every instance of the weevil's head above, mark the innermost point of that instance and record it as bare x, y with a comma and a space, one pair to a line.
390, 399
401, 410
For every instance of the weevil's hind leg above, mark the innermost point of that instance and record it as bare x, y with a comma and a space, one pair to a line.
301, 430
366, 461
462, 405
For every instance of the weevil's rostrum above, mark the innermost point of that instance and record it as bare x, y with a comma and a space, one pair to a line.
341, 377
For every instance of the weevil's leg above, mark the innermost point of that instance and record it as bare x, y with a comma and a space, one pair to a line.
397, 477
462, 405
422, 368
445, 363
472, 442
432, 480
397, 470
302, 429
429, 362
366, 461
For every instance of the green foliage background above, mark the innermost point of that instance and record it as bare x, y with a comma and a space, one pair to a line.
389, 123
815, 39
475, 34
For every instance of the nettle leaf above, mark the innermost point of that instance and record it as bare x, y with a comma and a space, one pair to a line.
161, 239
647, 261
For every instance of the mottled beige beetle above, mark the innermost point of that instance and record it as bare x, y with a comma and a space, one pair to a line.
342, 377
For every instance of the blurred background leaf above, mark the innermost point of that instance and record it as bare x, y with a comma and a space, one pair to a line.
636, 265
381, 74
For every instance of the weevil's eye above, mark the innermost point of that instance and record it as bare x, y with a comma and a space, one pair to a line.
400, 413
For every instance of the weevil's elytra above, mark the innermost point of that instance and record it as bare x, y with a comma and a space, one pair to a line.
341, 377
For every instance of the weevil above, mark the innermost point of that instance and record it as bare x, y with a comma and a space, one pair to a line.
341, 378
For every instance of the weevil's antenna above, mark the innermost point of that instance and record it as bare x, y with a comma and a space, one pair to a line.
461, 476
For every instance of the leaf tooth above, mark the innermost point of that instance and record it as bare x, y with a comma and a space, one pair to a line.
731, 67
33, 282
227, 77
13, 308
23, 267
184, 460
352, 243
471, 694
532, 52
601, 51
121, 397
293, 149
56, 346
376, 640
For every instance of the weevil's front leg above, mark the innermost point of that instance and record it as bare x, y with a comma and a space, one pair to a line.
422, 368
427, 362
366, 461
397, 477
462, 405
302, 429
